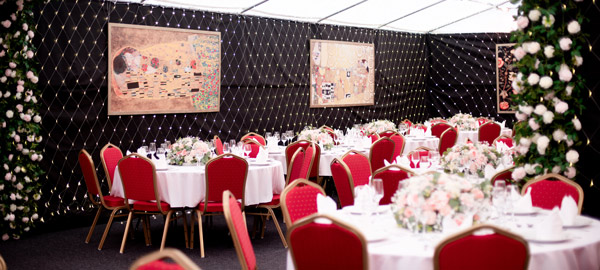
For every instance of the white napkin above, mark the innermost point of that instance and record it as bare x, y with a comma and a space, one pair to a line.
363, 196
272, 143
568, 210
262, 155
502, 125
325, 204
128, 153
142, 152
386, 163
550, 227
366, 142
524, 205
403, 160
450, 226
489, 171
160, 162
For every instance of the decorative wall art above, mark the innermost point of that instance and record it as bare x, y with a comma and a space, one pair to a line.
341, 74
163, 70
506, 72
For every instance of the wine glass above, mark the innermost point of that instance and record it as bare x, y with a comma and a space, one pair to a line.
152, 148
290, 134
499, 199
168, 145
268, 135
247, 149
415, 157
284, 138
277, 136
512, 196
160, 153
226, 147
211, 146
425, 162
377, 185
145, 148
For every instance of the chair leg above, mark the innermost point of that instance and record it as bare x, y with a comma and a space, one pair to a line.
164, 236
146, 228
126, 232
185, 230
87, 239
110, 220
192, 220
255, 226
264, 225
277, 226
200, 233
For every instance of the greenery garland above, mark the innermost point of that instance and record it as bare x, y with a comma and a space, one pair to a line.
20, 122
548, 90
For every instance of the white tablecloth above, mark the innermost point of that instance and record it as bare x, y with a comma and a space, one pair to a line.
413, 143
402, 250
184, 186
473, 135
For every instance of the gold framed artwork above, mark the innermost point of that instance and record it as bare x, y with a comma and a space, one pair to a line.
342, 74
162, 70
506, 72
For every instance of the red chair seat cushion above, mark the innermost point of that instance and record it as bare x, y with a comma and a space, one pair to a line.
160, 265
274, 201
113, 201
213, 206
150, 206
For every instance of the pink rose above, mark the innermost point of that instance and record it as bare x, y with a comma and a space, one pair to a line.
408, 212
519, 53
446, 210
477, 194
467, 199
29, 54
6, 23
431, 217
20, 89
561, 107
570, 173
440, 199
12, 65
522, 22
518, 174
7, 72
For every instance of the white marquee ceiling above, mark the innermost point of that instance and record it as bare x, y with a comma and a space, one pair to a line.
420, 16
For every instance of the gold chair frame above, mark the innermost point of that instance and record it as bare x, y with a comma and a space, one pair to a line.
284, 209
174, 254
379, 141
442, 136
104, 162
253, 134
234, 235
559, 178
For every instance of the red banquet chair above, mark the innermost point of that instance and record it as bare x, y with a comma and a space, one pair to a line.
447, 140
497, 251
374, 137
421, 126
218, 145
293, 172
96, 197
344, 184
488, 132
437, 120
382, 149
298, 200
238, 230
547, 193
326, 128
408, 123
503, 175
255, 147
391, 176
327, 245
138, 176
423, 151
439, 128
359, 166
387, 133
482, 120
291, 149
110, 156
225, 172
156, 261
505, 139
399, 142
251, 135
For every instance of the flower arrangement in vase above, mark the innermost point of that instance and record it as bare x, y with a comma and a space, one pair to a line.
318, 136
379, 126
470, 158
188, 151
463, 121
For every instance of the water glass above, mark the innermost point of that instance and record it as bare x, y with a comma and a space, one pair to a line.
415, 157
425, 163
377, 185
268, 135
226, 147
152, 148
168, 144
499, 200
247, 149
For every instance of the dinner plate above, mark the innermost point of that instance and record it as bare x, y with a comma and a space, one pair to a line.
375, 235
579, 222
533, 237
533, 211
260, 163
358, 211
162, 169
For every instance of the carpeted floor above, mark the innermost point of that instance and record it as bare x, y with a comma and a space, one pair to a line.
66, 249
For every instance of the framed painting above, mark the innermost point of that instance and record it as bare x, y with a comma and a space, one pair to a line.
342, 74
506, 72
162, 70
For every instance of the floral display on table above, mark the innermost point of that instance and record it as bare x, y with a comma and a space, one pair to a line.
549, 89
318, 136
20, 123
188, 151
379, 126
470, 158
463, 121
430, 198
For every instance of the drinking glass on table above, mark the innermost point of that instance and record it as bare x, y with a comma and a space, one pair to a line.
425, 162
168, 145
284, 138
226, 147
211, 146
164, 146
499, 200
290, 134
435, 157
512, 196
268, 135
415, 157
277, 136
160, 152
377, 185
247, 149
152, 149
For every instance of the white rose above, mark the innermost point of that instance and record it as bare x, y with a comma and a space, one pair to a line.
13, 208
516, 87
570, 173
34, 216
3, 79
525, 142
34, 79
534, 15
564, 73
5, 237
521, 116
573, 27
540, 109
37, 118
578, 60
19, 186
569, 143
518, 174
548, 20
576, 123
29, 54
546, 82
526, 109
569, 89
533, 124
25, 27
529, 169
561, 107
519, 53
533, 79
533, 47
559, 135
522, 22
556, 169
565, 43
548, 117
572, 156
25, 219
9, 113
537, 63
542, 144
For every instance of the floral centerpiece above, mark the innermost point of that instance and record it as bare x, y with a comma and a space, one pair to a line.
379, 126
426, 200
189, 150
470, 158
318, 136
464, 121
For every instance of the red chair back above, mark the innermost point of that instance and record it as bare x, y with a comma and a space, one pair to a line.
327, 246
255, 147
382, 149
505, 175
258, 138
218, 145
89, 174
309, 159
439, 128
139, 178
110, 156
225, 172
291, 149
488, 132
359, 165
374, 137
298, 200
422, 152
239, 231
421, 126
505, 139
482, 120
500, 250
387, 133
408, 123
547, 193
447, 140
398, 144
294, 171
391, 176
342, 178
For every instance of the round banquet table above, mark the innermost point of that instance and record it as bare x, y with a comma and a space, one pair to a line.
184, 186
390, 247
473, 135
